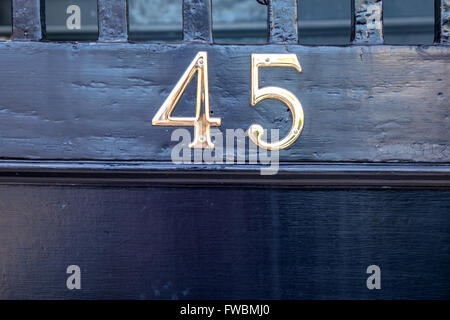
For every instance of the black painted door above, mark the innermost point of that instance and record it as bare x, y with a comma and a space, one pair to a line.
86, 180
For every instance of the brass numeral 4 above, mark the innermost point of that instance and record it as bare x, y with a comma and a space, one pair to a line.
202, 121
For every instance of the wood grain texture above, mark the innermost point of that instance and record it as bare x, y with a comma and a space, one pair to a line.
282, 21
197, 20
169, 243
367, 22
96, 101
28, 20
112, 20
442, 21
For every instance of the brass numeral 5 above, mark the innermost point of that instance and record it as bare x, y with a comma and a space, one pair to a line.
202, 121
256, 132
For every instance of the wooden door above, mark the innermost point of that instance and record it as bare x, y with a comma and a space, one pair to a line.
86, 180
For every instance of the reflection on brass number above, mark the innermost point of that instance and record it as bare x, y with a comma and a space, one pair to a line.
256, 132
202, 121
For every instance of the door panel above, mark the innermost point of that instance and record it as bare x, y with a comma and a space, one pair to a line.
224, 243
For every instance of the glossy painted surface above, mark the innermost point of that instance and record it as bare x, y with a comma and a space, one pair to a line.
189, 243
364, 104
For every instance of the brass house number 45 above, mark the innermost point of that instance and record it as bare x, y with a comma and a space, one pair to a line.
202, 122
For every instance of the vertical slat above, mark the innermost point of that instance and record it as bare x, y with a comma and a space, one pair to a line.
282, 21
367, 22
442, 21
112, 20
197, 20
28, 19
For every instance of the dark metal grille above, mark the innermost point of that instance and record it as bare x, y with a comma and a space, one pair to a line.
367, 21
